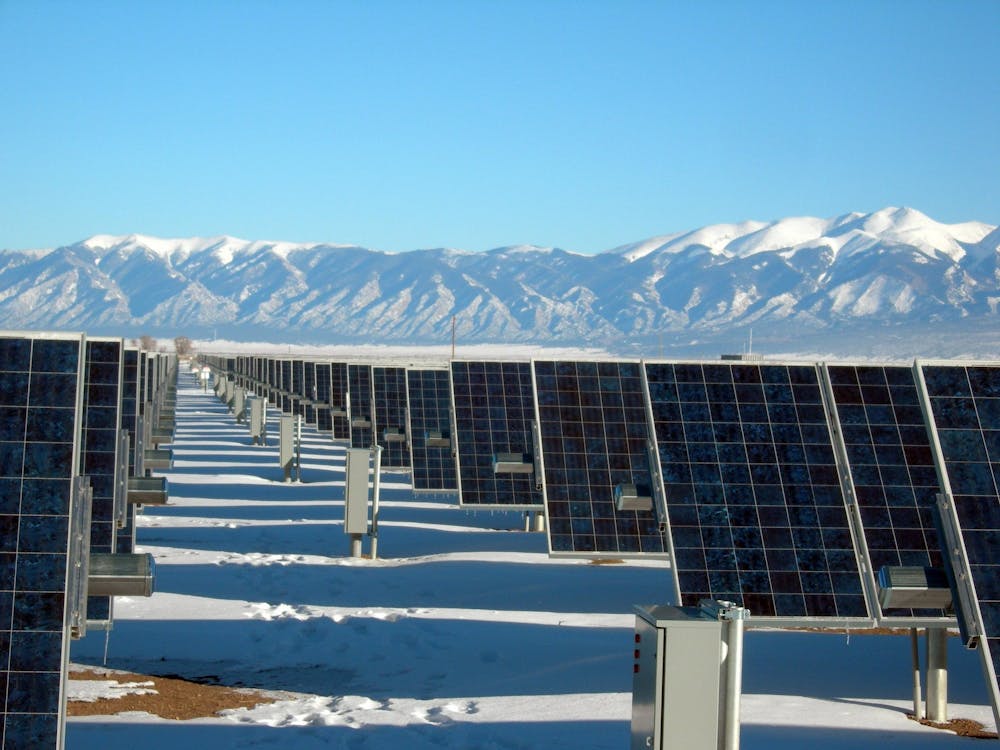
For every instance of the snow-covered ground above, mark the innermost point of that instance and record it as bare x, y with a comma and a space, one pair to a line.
462, 634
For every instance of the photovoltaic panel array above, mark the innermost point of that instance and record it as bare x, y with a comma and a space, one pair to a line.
285, 385
753, 494
39, 454
429, 397
125, 538
359, 383
390, 424
99, 451
494, 409
965, 409
595, 442
309, 389
324, 420
339, 407
891, 466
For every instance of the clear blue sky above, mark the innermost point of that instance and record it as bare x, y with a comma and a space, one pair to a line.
476, 124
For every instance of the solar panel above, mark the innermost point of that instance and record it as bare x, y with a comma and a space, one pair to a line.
125, 539
359, 383
433, 462
99, 451
390, 423
285, 386
324, 420
595, 451
309, 389
39, 455
752, 488
965, 413
495, 454
339, 407
891, 474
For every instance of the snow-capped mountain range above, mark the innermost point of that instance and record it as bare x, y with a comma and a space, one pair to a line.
893, 273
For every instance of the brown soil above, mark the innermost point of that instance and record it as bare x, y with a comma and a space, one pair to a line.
175, 698
961, 727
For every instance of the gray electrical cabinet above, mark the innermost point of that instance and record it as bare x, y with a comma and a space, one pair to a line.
356, 491
286, 444
676, 680
239, 404
258, 420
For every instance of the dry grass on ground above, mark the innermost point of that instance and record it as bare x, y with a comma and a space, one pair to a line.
174, 698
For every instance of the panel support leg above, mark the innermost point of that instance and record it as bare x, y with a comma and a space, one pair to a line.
937, 674
918, 701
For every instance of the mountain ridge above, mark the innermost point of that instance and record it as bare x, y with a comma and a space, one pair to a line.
894, 270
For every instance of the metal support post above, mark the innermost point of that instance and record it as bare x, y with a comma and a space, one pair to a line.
918, 701
298, 448
937, 674
732, 617
377, 468
538, 521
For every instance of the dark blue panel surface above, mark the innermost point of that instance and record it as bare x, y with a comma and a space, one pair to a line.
964, 401
34, 532
594, 438
891, 466
493, 409
429, 397
389, 408
756, 511
359, 383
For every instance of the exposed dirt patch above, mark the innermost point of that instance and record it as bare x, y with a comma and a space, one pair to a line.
961, 727
174, 698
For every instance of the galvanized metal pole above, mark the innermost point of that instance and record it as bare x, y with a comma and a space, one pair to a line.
298, 448
918, 703
937, 674
377, 464
734, 676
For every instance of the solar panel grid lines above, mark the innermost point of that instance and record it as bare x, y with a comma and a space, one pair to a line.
890, 479
595, 441
493, 410
102, 395
360, 405
41, 401
125, 537
309, 389
429, 409
964, 409
755, 507
389, 423
285, 386
340, 408
322, 376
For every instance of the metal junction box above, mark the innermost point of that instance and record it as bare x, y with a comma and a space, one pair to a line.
676, 679
356, 492
913, 587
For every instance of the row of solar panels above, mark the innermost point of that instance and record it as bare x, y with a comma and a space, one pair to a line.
82, 419
807, 492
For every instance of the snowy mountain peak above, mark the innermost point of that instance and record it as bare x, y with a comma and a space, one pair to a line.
892, 267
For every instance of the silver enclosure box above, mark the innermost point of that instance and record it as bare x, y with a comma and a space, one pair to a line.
393, 435
629, 497
676, 680
356, 491
120, 574
512, 463
258, 415
286, 441
147, 490
436, 439
913, 588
